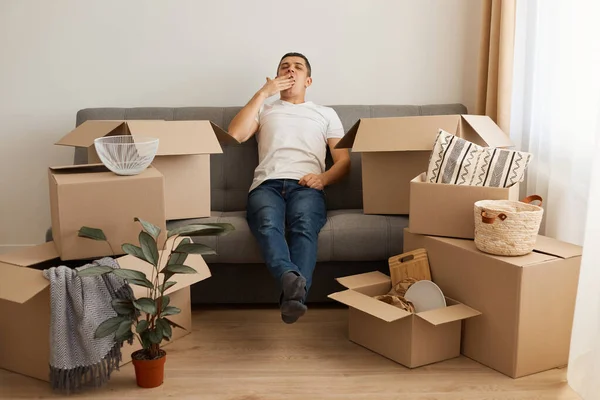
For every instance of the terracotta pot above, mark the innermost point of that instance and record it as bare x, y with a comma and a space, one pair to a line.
149, 373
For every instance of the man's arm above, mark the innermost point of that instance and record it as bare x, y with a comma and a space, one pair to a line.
341, 163
244, 125
340, 167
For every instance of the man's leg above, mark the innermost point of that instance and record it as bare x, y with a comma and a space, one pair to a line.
306, 214
266, 218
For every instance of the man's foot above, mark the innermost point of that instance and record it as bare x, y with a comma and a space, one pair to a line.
291, 310
292, 297
293, 287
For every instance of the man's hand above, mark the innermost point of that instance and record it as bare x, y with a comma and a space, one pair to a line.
274, 86
314, 181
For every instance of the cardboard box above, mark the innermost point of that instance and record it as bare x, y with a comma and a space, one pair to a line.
527, 302
25, 306
395, 150
412, 340
447, 210
183, 157
91, 195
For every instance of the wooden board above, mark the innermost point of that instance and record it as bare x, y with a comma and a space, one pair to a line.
413, 264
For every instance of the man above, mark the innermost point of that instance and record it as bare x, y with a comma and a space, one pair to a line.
286, 199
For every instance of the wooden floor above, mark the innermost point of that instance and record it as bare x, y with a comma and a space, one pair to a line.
249, 354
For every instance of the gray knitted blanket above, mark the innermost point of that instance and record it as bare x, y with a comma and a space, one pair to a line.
78, 306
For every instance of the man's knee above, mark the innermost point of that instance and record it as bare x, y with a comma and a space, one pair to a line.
264, 224
305, 223
267, 225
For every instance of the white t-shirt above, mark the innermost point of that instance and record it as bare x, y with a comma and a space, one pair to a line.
292, 139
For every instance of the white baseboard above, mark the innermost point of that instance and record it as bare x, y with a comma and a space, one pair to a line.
7, 248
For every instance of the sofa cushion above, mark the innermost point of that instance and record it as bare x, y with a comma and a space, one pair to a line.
348, 235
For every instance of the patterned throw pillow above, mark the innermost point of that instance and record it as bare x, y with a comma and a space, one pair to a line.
459, 162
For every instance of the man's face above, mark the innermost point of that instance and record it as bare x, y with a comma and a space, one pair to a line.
296, 67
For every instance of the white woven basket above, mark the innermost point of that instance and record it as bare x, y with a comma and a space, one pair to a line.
506, 227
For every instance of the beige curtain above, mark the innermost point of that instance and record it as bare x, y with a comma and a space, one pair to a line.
496, 61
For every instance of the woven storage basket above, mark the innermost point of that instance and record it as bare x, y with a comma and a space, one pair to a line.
507, 228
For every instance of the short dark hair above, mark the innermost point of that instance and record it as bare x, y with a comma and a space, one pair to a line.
308, 67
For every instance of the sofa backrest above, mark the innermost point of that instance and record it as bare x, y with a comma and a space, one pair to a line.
232, 171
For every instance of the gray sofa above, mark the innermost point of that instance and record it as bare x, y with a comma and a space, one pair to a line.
349, 243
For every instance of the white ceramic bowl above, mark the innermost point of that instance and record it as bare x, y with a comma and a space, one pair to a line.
126, 154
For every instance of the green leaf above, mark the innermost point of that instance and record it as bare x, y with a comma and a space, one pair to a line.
142, 326
178, 269
95, 271
91, 233
134, 251
185, 241
141, 282
149, 248
173, 324
155, 335
208, 229
170, 310
123, 330
126, 337
177, 258
168, 275
165, 328
165, 302
195, 248
166, 285
145, 336
167, 331
129, 274
145, 304
109, 327
123, 307
152, 229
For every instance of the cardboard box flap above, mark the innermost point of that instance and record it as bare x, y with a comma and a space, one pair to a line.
547, 245
369, 305
20, 284
223, 136
363, 280
488, 131
79, 169
31, 255
420, 178
451, 313
348, 140
400, 133
84, 134
178, 137
94, 173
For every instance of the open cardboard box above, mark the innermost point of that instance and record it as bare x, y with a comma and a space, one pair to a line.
441, 209
395, 150
91, 195
527, 302
25, 306
183, 157
412, 340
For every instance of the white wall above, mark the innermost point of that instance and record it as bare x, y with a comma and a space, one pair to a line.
63, 55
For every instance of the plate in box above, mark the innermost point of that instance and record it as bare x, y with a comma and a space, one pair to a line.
425, 295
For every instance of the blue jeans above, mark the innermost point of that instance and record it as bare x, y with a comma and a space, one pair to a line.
280, 209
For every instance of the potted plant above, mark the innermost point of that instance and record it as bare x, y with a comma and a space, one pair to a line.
146, 318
